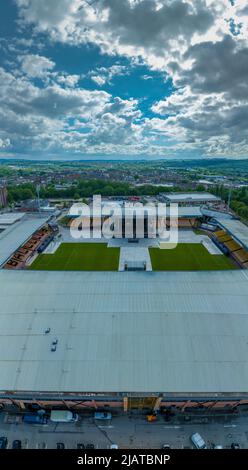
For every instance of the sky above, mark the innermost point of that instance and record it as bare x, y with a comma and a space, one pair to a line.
123, 79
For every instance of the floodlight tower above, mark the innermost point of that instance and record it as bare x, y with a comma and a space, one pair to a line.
38, 195
229, 198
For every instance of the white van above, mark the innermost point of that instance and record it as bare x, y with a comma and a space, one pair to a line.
198, 441
63, 416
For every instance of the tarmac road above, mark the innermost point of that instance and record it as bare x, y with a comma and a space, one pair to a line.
128, 432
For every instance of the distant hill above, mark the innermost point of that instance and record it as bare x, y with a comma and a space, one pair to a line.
213, 163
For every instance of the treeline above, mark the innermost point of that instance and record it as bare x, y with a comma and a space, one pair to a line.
84, 189
21, 192
239, 199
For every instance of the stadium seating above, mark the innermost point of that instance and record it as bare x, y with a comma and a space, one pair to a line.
220, 233
232, 245
241, 256
20, 257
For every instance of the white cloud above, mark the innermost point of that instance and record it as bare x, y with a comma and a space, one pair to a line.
98, 80
4, 143
194, 42
35, 65
57, 118
104, 75
68, 80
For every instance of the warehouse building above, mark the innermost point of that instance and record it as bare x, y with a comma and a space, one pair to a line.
87, 340
188, 199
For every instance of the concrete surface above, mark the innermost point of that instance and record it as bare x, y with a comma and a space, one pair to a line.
128, 432
137, 254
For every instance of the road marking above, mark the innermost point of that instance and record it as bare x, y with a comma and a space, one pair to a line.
105, 427
172, 427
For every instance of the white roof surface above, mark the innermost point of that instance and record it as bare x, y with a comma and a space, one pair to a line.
16, 235
135, 332
194, 197
10, 218
236, 228
189, 211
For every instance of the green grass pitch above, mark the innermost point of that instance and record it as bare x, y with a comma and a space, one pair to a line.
79, 257
188, 257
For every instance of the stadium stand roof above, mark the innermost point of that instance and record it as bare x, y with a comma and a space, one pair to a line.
189, 211
216, 214
237, 229
124, 332
15, 235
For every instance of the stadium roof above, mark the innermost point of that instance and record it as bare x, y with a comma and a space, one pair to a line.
139, 211
236, 228
216, 214
191, 197
16, 235
189, 211
123, 332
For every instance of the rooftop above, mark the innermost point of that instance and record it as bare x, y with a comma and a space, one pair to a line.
139, 211
117, 332
10, 218
236, 228
16, 235
189, 211
187, 197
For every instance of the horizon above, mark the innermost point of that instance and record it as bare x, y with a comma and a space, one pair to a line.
201, 160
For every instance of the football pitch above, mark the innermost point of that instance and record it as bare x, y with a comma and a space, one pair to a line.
188, 257
79, 257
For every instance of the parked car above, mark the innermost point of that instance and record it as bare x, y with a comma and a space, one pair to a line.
218, 446
235, 445
114, 446
3, 442
198, 441
17, 444
166, 446
35, 418
63, 416
42, 445
80, 446
90, 446
60, 445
